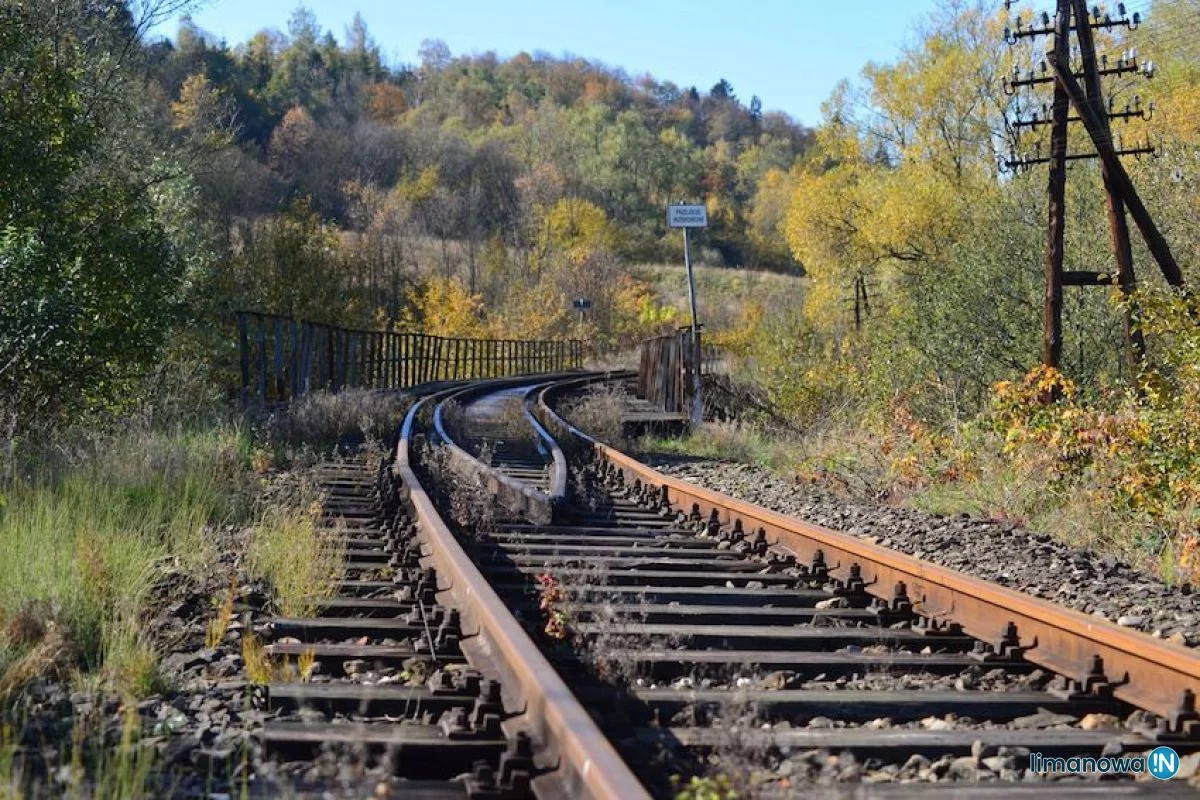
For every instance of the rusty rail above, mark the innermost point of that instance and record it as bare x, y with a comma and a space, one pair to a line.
516, 496
586, 765
280, 357
1096, 655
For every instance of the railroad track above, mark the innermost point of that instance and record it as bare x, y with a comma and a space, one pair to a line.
591, 634
392, 681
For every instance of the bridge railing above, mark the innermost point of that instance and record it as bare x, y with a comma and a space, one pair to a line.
281, 357
668, 370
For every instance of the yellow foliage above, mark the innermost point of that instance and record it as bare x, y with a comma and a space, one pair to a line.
739, 340
578, 228
291, 136
199, 110
539, 312
768, 212
900, 164
637, 314
442, 307
421, 188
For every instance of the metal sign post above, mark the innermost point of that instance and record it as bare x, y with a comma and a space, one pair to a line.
691, 216
581, 304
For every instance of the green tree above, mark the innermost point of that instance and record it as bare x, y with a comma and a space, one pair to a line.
88, 273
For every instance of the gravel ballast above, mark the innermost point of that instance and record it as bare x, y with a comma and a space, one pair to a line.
1020, 559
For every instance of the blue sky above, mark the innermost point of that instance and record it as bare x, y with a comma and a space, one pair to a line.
790, 53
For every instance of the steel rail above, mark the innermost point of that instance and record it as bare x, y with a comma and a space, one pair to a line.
1098, 656
586, 764
558, 460
517, 496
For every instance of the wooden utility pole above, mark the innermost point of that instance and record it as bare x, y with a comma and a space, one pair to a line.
1052, 337
1120, 178
1135, 344
1089, 101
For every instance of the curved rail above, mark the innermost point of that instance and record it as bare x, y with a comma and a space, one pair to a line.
558, 460
586, 763
517, 496
1098, 656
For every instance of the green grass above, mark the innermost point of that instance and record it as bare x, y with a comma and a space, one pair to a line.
86, 537
301, 561
729, 441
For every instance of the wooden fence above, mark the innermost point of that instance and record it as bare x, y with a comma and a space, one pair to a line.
282, 358
669, 371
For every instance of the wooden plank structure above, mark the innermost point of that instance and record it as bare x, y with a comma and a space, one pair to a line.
281, 358
666, 371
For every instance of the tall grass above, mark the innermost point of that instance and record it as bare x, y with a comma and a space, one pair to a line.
301, 560
88, 531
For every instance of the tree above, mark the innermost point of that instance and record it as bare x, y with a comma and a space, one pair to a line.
723, 90
291, 139
89, 276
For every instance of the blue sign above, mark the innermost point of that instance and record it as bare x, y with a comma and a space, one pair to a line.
1162, 763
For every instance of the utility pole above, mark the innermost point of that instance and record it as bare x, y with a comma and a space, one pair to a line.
1135, 350
1095, 114
1052, 338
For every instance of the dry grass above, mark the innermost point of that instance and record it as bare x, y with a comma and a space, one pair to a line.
462, 493
51, 652
321, 422
97, 762
261, 669
721, 292
219, 625
599, 413
851, 460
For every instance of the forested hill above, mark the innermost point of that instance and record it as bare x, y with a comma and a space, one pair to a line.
479, 142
